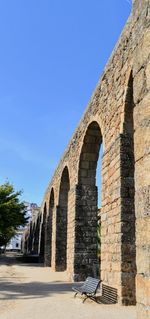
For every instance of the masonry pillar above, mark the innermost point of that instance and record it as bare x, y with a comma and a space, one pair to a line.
48, 235
61, 238
53, 252
71, 233
117, 222
85, 254
128, 246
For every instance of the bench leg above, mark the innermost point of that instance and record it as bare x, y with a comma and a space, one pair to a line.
75, 294
85, 298
90, 297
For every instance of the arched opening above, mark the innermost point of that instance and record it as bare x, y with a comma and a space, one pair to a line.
31, 237
86, 240
42, 240
89, 155
36, 235
48, 234
99, 205
61, 222
128, 251
99, 176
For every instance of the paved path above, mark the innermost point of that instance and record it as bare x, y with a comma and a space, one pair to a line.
29, 291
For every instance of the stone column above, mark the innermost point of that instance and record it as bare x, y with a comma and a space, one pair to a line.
111, 236
117, 221
53, 258
128, 247
61, 238
71, 233
48, 241
85, 253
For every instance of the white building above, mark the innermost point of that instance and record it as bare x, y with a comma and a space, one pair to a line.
16, 241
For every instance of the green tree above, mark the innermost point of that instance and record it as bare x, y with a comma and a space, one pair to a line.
12, 212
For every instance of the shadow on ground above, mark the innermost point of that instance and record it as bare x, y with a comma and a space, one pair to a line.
35, 290
13, 258
9, 289
32, 290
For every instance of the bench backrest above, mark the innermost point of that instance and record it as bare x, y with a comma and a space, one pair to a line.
91, 285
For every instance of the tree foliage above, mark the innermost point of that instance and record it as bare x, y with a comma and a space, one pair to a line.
12, 212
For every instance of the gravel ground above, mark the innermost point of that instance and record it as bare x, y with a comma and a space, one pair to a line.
30, 291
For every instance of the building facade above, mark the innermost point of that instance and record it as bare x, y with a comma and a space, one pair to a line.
15, 242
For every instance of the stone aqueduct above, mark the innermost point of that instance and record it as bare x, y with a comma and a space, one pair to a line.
118, 114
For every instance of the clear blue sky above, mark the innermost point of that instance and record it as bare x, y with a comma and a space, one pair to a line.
52, 55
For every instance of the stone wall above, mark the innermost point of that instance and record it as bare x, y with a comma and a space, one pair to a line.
141, 89
118, 115
32, 235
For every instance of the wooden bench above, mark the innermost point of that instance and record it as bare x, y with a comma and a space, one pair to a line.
88, 289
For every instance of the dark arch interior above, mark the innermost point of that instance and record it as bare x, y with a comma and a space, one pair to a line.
128, 128
61, 222
35, 245
42, 241
89, 155
51, 200
87, 262
128, 200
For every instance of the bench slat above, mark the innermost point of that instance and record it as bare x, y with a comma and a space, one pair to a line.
89, 288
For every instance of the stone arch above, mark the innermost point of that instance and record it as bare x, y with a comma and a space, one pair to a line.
89, 154
128, 247
86, 205
61, 222
36, 238
49, 226
31, 236
42, 239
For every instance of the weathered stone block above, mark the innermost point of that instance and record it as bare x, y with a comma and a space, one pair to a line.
139, 86
143, 290
143, 202
142, 52
142, 172
148, 75
143, 257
